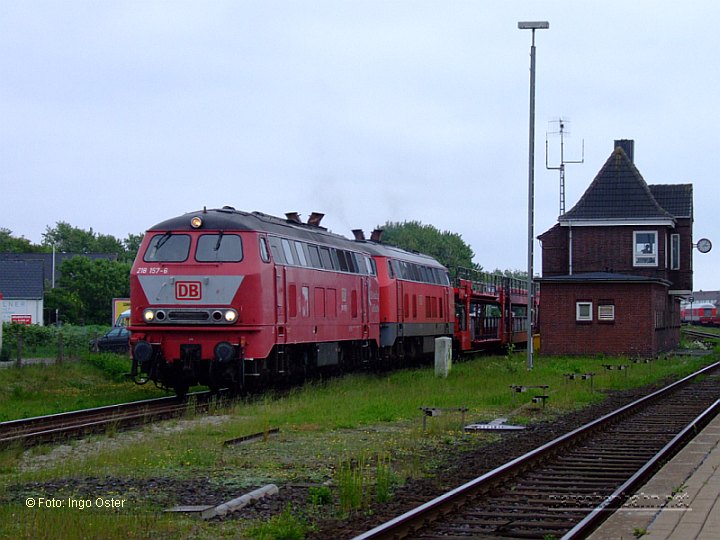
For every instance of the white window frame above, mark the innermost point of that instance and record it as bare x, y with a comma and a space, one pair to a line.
583, 311
606, 312
642, 257
674, 252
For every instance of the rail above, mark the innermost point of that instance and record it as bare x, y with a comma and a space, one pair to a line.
578, 467
41, 429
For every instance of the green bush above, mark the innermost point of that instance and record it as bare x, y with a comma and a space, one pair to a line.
115, 365
45, 340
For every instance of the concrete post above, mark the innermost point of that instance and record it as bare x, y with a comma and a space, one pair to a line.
443, 356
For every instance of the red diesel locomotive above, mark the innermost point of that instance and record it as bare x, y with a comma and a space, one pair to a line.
224, 298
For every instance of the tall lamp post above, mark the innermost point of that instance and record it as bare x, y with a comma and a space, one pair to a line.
531, 25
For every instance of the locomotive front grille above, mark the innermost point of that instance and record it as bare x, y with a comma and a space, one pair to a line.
187, 315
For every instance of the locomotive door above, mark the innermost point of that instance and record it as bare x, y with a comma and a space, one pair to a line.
400, 301
280, 317
366, 307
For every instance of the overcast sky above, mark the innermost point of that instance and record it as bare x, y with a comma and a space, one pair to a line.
116, 115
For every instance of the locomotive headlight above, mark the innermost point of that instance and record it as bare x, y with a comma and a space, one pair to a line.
148, 315
196, 222
230, 315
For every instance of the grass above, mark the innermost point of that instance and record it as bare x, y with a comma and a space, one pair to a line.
93, 381
361, 435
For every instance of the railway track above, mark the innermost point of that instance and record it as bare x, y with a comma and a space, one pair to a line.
54, 427
567, 487
699, 334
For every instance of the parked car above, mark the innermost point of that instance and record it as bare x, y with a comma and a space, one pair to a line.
116, 340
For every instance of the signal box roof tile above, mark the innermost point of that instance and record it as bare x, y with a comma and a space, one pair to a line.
619, 192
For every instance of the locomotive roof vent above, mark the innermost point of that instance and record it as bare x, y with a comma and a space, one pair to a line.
376, 235
358, 234
315, 219
293, 217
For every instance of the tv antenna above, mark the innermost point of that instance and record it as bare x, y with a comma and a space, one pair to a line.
563, 162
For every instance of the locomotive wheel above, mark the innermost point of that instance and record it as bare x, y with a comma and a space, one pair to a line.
181, 390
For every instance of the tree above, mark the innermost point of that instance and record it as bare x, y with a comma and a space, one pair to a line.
13, 244
447, 247
516, 274
71, 239
88, 289
132, 245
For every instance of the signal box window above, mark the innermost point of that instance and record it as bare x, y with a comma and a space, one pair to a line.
168, 247
675, 252
583, 311
606, 312
219, 248
645, 248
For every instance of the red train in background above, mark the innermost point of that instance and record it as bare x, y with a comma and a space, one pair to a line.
704, 314
225, 298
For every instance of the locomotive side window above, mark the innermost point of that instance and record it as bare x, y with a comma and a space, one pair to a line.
276, 250
168, 247
299, 248
325, 259
353, 266
264, 253
314, 256
287, 251
414, 272
342, 260
219, 248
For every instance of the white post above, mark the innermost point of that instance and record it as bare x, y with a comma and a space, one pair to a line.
443, 356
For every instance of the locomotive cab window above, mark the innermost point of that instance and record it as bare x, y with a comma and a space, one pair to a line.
168, 247
219, 248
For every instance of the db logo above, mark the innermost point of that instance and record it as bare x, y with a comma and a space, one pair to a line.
188, 290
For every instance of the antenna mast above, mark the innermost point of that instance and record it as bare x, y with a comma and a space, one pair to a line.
561, 167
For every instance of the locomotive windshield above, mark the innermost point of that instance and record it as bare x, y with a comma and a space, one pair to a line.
168, 247
219, 248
